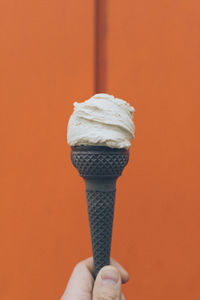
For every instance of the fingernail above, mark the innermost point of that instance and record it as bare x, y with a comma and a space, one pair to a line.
109, 275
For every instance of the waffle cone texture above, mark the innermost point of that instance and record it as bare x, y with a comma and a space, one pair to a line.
100, 167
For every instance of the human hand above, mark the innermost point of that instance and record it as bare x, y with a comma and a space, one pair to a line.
107, 285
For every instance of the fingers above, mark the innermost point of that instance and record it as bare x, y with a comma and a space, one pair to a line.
107, 284
123, 273
81, 281
80, 284
89, 264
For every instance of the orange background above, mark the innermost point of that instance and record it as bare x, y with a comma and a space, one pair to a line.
47, 60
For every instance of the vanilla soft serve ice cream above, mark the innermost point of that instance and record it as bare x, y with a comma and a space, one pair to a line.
103, 120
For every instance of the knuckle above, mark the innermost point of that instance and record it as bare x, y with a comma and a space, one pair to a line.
78, 266
108, 294
107, 297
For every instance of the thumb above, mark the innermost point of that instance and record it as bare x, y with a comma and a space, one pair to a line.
107, 285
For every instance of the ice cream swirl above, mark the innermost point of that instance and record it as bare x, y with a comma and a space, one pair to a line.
103, 120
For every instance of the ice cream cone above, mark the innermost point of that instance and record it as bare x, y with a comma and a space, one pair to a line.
100, 167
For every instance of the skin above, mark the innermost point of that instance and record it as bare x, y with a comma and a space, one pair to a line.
81, 285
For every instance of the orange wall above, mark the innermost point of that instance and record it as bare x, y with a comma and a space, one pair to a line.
154, 61
47, 62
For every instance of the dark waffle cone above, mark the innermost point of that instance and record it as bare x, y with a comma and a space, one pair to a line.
100, 167
100, 211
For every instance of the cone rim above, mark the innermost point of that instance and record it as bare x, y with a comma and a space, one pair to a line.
102, 149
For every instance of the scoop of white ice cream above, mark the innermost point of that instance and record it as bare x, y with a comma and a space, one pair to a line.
101, 121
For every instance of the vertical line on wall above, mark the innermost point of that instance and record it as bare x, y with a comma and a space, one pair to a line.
100, 45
